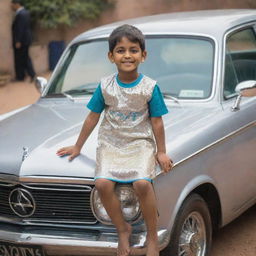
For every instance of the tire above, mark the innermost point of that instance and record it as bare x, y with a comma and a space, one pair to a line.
192, 231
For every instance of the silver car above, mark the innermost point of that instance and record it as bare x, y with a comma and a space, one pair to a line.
204, 62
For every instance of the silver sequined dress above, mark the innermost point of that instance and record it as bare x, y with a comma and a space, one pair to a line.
126, 145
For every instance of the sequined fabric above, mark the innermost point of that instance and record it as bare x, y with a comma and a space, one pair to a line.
126, 144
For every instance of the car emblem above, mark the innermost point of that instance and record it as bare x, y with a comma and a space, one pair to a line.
22, 202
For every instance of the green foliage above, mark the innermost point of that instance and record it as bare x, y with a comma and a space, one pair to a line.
52, 13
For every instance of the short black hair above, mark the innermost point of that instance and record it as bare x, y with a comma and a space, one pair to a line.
17, 2
128, 31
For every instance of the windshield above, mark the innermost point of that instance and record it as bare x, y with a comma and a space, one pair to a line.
181, 66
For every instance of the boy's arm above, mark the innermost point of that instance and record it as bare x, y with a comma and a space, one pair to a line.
161, 156
88, 126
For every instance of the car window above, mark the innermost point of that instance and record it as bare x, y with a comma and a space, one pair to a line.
84, 66
181, 66
240, 63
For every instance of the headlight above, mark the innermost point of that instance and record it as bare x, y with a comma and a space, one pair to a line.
129, 204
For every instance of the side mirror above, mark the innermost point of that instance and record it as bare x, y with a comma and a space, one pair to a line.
246, 89
41, 83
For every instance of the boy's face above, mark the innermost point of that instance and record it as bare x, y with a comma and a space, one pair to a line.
127, 55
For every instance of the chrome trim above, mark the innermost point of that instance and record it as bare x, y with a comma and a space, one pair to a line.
13, 220
193, 238
28, 201
8, 178
59, 223
253, 123
236, 105
66, 186
7, 184
90, 244
41, 84
136, 219
93, 211
82, 188
66, 222
31, 181
58, 180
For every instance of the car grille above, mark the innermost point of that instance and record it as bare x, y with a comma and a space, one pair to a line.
54, 203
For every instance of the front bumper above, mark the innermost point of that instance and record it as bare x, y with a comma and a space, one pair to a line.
84, 242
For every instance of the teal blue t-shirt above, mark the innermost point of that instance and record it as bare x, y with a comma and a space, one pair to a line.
156, 105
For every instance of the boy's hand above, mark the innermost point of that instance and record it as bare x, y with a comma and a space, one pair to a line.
73, 151
164, 161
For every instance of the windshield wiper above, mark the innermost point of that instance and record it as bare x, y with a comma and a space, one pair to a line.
59, 95
80, 91
55, 95
169, 96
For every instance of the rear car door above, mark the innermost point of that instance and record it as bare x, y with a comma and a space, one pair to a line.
240, 65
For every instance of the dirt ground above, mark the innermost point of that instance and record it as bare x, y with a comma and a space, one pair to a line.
17, 94
236, 239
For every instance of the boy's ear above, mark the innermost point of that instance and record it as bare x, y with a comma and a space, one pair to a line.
144, 56
111, 57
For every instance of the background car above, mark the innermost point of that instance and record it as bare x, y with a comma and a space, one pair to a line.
204, 62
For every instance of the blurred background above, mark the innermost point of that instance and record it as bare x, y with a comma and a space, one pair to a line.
56, 22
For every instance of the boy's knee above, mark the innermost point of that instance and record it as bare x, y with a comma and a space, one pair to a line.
104, 185
142, 187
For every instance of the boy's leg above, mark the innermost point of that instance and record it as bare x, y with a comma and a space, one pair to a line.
146, 195
112, 205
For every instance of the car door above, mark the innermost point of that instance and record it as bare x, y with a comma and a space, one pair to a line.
240, 65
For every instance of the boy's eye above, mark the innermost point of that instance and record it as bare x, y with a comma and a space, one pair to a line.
120, 51
134, 50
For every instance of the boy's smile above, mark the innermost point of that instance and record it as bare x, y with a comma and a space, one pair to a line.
127, 56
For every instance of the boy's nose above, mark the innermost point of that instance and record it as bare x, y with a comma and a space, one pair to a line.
127, 54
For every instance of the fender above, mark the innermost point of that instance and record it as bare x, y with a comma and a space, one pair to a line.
190, 186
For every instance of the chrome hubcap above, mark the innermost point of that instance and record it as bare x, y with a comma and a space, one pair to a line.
192, 240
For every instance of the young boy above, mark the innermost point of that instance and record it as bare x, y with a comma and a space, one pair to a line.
131, 136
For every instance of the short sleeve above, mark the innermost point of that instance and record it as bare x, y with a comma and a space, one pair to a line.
97, 103
157, 105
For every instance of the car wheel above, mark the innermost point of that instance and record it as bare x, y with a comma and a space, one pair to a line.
192, 231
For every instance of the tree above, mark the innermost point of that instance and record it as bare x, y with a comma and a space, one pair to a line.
52, 13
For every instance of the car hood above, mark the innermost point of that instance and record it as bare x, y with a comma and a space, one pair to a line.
36, 128
31, 137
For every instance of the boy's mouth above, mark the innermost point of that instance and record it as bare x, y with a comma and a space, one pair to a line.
127, 62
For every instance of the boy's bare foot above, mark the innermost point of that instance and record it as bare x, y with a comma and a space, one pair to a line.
152, 247
123, 248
